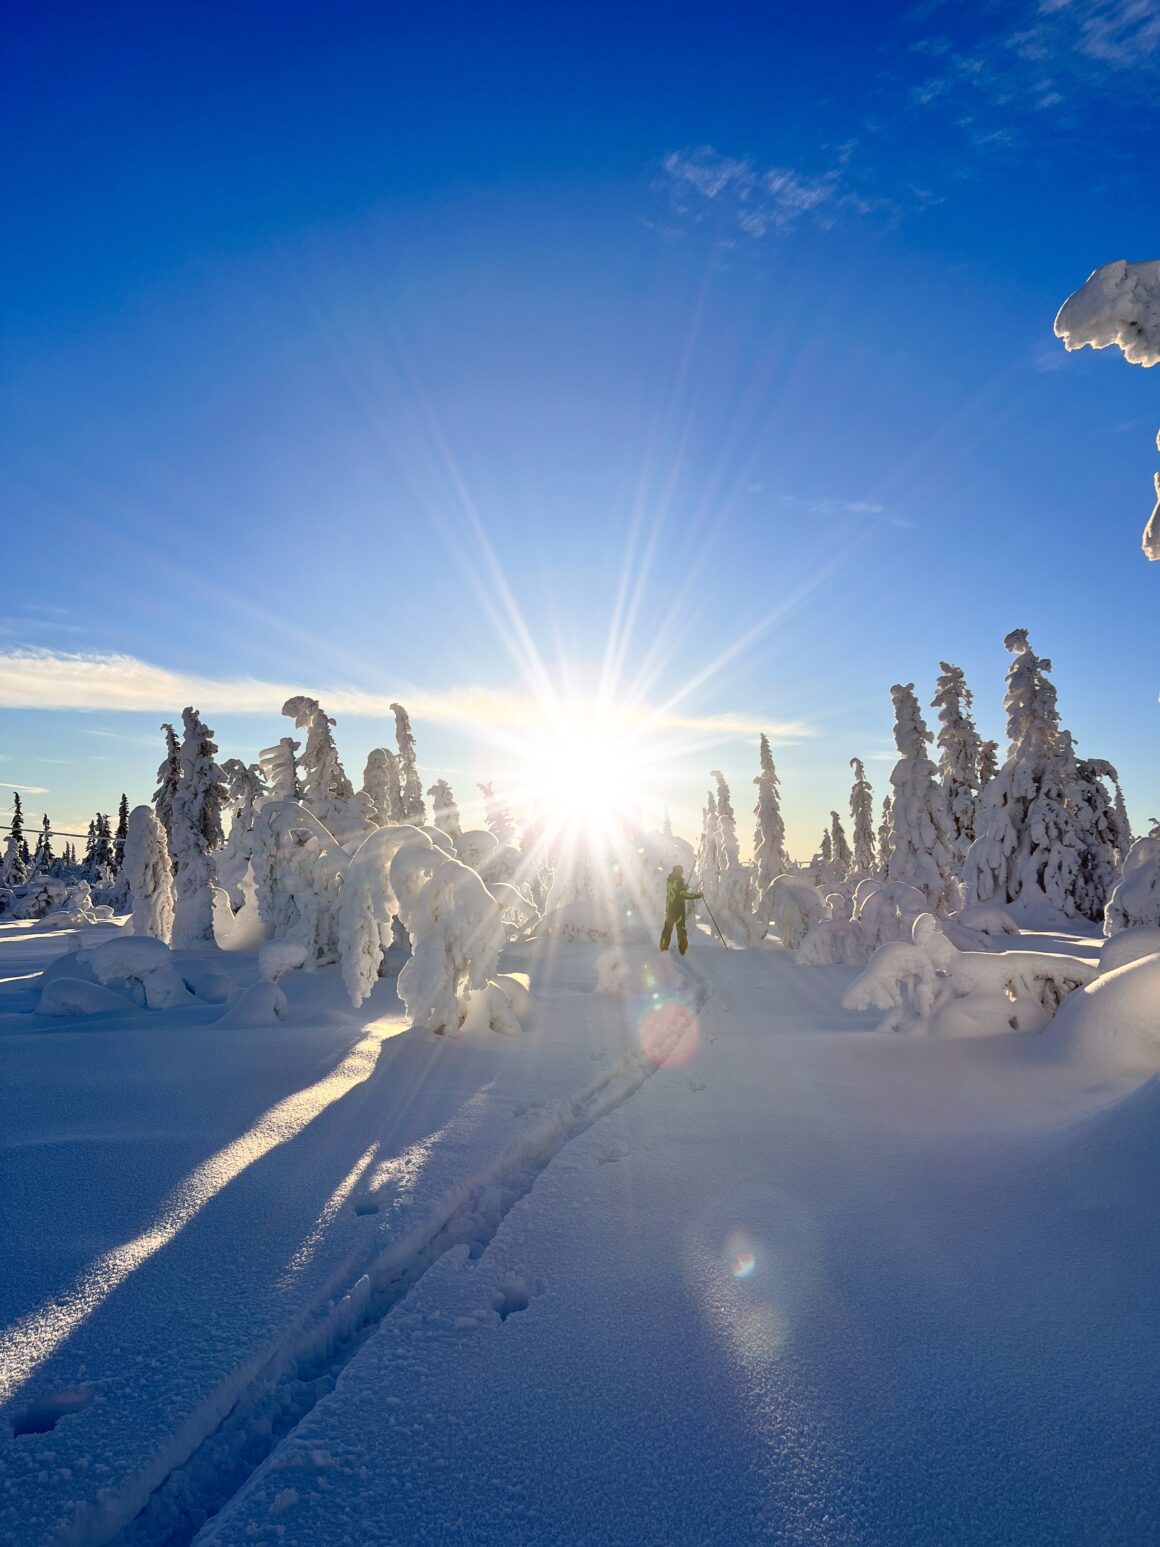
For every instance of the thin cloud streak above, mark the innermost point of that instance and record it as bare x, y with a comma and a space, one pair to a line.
45, 679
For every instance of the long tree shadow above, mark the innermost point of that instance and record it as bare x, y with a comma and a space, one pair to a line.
198, 1316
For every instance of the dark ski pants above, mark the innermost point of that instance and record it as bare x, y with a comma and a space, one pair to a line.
682, 935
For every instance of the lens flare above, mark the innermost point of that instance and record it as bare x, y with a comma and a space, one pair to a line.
740, 1254
668, 1031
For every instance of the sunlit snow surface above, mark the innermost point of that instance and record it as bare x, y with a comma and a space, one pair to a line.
703, 1259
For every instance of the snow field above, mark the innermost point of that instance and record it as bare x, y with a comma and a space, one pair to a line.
809, 1284
248, 1205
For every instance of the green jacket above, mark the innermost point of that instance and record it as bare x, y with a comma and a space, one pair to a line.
676, 896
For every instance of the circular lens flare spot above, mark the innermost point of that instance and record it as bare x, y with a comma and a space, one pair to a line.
668, 1031
740, 1254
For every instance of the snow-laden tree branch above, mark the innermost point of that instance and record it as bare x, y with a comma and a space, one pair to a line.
1119, 306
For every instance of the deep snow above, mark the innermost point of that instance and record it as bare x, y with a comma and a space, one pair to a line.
802, 1282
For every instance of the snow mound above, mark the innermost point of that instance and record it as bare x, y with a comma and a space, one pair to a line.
139, 968
81, 996
1135, 897
278, 956
988, 918
584, 919
1115, 1020
1117, 306
262, 1004
1129, 945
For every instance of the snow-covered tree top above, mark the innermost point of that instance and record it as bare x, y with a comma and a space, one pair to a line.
1118, 305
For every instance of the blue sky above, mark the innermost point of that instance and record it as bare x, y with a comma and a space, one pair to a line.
375, 353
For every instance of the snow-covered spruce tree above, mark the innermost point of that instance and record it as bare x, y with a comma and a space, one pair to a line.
921, 852
444, 811
149, 872
100, 864
298, 871
382, 786
708, 850
885, 829
841, 857
1028, 845
769, 852
325, 787
14, 869
43, 859
959, 747
168, 778
1104, 840
728, 887
196, 832
1123, 824
1119, 305
822, 871
414, 809
17, 830
120, 833
988, 762
862, 815
496, 814
245, 786
728, 849
279, 766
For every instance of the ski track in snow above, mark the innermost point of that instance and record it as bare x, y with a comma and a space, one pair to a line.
306, 1367
217, 1447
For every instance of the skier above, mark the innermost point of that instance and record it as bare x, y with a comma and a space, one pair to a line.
676, 896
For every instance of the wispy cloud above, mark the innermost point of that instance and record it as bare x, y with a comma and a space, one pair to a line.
1041, 58
48, 679
25, 789
829, 507
760, 200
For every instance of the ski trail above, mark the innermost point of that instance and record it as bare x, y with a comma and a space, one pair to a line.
219, 1449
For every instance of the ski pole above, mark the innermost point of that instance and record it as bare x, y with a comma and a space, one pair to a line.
716, 926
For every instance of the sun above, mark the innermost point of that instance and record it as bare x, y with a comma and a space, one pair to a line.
584, 773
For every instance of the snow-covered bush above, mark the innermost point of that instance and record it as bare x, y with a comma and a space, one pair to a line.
298, 868
519, 913
149, 872
886, 910
456, 937
1135, 898
927, 985
452, 920
793, 906
836, 940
